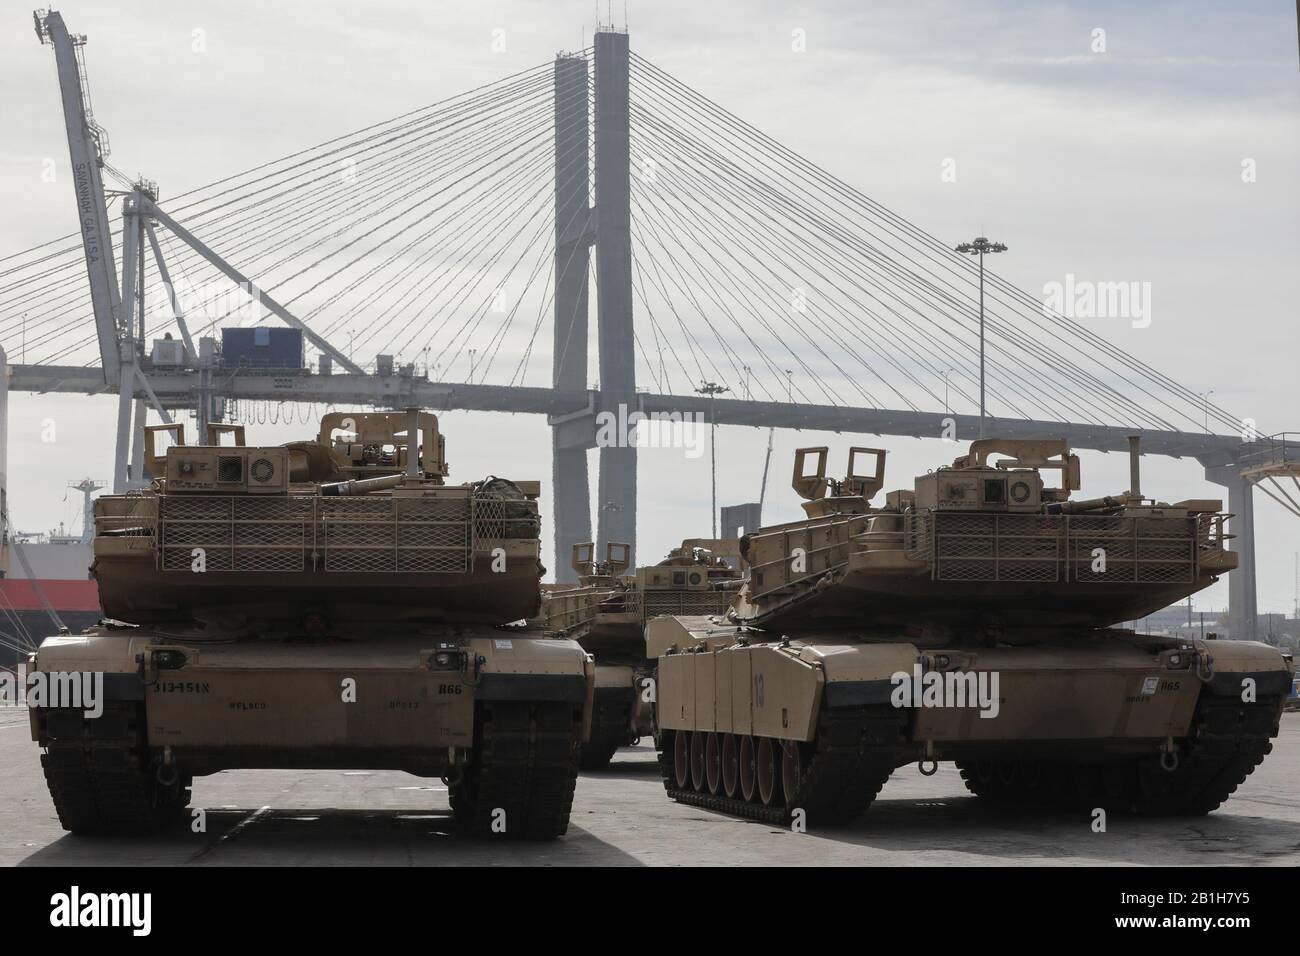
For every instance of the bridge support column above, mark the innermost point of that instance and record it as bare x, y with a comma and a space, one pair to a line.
616, 500
571, 436
1242, 611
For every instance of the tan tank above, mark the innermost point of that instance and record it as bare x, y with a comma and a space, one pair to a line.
325, 604
966, 619
606, 612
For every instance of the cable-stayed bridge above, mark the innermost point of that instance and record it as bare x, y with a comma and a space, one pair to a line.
445, 257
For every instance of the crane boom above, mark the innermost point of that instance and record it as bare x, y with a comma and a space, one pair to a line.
85, 153
762, 492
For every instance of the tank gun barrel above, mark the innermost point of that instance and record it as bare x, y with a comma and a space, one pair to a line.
1083, 505
361, 486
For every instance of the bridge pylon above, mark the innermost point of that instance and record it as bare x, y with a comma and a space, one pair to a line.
608, 226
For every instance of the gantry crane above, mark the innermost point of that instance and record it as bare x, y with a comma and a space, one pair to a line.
119, 308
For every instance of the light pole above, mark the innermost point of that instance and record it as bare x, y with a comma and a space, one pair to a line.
979, 247
1206, 396
947, 409
712, 389
789, 384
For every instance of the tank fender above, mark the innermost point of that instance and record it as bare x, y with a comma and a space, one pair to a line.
665, 632
1235, 661
97, 650
785, 692
609, 677
589, 703
858, 674
763, 689
113, 655
515, 667
614, 675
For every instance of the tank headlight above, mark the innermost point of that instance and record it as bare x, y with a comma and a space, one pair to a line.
442, 660
168, 660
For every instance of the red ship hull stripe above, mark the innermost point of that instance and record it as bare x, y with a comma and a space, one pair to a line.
18, 594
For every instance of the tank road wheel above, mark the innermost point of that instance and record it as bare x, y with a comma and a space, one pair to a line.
748, 773
520, 779
832, 778
765, 769
713, 762
730, 764
681, 758
697, 760
791, 769
101, 777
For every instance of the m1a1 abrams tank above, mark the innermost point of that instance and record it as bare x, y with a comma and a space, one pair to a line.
967, 619
606, 613
326, 604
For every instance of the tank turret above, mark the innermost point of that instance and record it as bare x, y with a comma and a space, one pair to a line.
986, 536
344, 534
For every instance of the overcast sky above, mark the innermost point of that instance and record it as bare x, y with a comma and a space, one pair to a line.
1119, 166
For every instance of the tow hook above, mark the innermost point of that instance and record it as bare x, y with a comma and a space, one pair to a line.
930, 759
167, 775
1169, 756
447, 779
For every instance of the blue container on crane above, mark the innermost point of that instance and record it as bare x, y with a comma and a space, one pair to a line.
262, 347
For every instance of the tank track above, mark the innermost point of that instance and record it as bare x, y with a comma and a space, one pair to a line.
100, 777
525, 762
1231, 739
855, 751
611, 718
